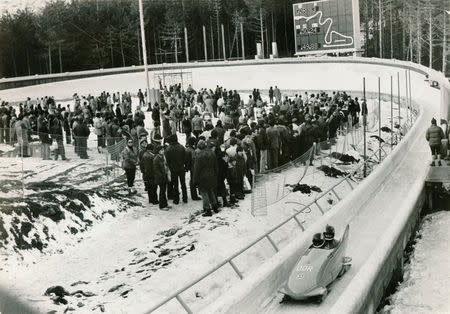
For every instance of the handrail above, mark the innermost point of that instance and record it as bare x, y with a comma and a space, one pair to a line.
258, 239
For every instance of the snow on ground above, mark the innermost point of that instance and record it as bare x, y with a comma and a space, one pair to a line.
78, 229
427, 276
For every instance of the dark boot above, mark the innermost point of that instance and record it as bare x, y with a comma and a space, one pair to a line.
215, 208
207, 212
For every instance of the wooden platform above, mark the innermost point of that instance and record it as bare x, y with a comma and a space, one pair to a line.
439, 174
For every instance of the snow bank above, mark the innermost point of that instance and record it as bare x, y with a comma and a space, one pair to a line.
426, 279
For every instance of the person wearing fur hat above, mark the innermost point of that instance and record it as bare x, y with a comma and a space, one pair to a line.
434, 137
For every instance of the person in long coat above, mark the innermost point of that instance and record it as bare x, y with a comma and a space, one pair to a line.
129, 161
205, 176
161, 175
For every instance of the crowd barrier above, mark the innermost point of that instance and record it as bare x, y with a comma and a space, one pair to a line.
373, 159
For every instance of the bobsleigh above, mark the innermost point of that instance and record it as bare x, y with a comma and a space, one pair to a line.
316, 270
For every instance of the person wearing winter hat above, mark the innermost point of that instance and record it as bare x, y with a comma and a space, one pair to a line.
317, 241
205, 177
129, 162
434, 137
328, 235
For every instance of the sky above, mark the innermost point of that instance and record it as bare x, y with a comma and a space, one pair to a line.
13, 5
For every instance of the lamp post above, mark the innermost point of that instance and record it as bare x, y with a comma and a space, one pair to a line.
144, 49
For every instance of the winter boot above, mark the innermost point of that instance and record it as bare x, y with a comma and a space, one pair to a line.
207, 212
215, 208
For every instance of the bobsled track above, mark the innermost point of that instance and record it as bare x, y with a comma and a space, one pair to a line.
381, 211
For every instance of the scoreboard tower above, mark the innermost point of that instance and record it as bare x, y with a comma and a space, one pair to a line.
326, 26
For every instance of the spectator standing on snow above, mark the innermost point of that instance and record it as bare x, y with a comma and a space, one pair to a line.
146, 165
100, 132
271, 95
205, 176
277, 94
176, 157
434, 137
46, 140
197, 125
189, 164
129, 161
57, 135
161, 175
273, 147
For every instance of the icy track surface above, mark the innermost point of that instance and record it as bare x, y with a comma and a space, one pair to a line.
427, 276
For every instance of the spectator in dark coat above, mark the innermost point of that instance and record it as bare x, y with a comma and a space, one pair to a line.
434, 137
176, 158
186, 127
57, 135
146, 165
46, 140
190, 161
205, 176
129, 161
333, 125
273, 147
81, 132
161, 173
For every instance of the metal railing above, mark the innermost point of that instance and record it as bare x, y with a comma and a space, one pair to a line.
267, 235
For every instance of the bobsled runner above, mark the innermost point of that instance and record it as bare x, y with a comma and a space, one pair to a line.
317, 269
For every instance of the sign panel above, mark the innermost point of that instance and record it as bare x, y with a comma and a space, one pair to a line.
326, 26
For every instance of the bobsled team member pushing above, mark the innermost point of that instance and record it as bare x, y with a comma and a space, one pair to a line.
330, 242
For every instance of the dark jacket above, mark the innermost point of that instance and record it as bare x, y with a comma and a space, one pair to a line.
190, 158
146, 164
205, 169
129, 158
176, 157
434, 135
159, 169
273, 138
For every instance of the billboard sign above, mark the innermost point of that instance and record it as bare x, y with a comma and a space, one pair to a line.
326, 26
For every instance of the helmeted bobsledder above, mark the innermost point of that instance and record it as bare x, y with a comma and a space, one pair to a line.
322, 263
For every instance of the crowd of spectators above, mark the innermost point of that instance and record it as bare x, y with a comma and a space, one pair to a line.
228, 137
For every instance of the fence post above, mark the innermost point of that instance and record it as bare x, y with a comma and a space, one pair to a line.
379, 115
21, 155
272, 242
364, 108
236, 269
392, 114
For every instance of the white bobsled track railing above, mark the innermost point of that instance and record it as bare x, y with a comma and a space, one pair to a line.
381, 151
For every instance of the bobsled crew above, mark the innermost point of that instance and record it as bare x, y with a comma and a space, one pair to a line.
322, 263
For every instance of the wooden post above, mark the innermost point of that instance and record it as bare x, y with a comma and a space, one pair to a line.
380, 31
186, 44
444, 46
398, 95
144, 49
406, 96
431, 42
204, 44
379, 118
410, 98
60, 58
392, 112
262, 32
364, 125
223, 43
49, 58
242, 42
